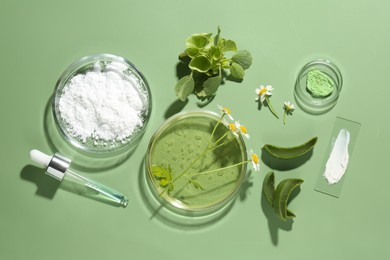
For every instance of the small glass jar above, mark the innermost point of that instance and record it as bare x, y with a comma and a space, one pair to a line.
210, 181
103, 63
315, 104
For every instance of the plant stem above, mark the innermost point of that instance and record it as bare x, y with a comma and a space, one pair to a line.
215, 128
220, 169
188, 167
206, 150
284, 117
220, 139
271, 107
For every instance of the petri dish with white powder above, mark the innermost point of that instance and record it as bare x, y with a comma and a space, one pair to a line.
102, 104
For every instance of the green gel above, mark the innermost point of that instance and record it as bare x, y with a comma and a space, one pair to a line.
184, 140
319, 84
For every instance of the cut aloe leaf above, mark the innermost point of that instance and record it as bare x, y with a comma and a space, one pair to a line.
269, 187
282, 194
269, 193
290, 152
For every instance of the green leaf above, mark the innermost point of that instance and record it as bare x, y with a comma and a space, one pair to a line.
198, 40
216, 38
210, 86
164, 182
192, 52
200, 63
269, 187
184, 87
243, 58
215, 53
229, 45
215, 69
162, 174
237, 71
225, 63
290, 152
158, 171
282, 194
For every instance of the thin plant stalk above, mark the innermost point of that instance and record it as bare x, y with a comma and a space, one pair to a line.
220, 169
207, 149
271, 107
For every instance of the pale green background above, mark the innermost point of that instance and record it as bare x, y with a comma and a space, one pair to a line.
39, 39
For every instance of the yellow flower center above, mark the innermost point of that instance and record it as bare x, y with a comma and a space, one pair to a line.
262, 91
243, 129
255, 158
226, 110
232, 127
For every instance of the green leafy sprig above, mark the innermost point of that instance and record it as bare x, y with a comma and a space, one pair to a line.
205, 56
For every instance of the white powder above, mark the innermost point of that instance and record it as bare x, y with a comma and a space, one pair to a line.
338, 159
103, 106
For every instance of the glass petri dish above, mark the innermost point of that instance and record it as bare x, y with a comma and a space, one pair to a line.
315, 104
91, 143
178, 147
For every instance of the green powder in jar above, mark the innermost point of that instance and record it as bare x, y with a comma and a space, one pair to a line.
319, 84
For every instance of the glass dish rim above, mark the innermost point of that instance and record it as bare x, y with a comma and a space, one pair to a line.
179, 207
68, 73
322, 105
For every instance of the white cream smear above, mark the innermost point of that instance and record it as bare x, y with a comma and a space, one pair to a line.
338, 159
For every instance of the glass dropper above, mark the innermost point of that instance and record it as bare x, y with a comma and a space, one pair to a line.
57, 166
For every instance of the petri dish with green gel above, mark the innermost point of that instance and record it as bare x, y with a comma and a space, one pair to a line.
175, 147
318, 86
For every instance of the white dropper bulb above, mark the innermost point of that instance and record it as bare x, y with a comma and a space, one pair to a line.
55, 165
40, 158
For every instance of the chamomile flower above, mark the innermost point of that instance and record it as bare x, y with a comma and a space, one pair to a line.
233, 128
242, 129
255, 160
263, 92
225, 111
288, 109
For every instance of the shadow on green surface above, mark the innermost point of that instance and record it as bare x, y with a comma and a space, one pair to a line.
246, 186
46, 185
159, 209
261, 105
274, 223
205, 101
182, 68
284, 164
175, 108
